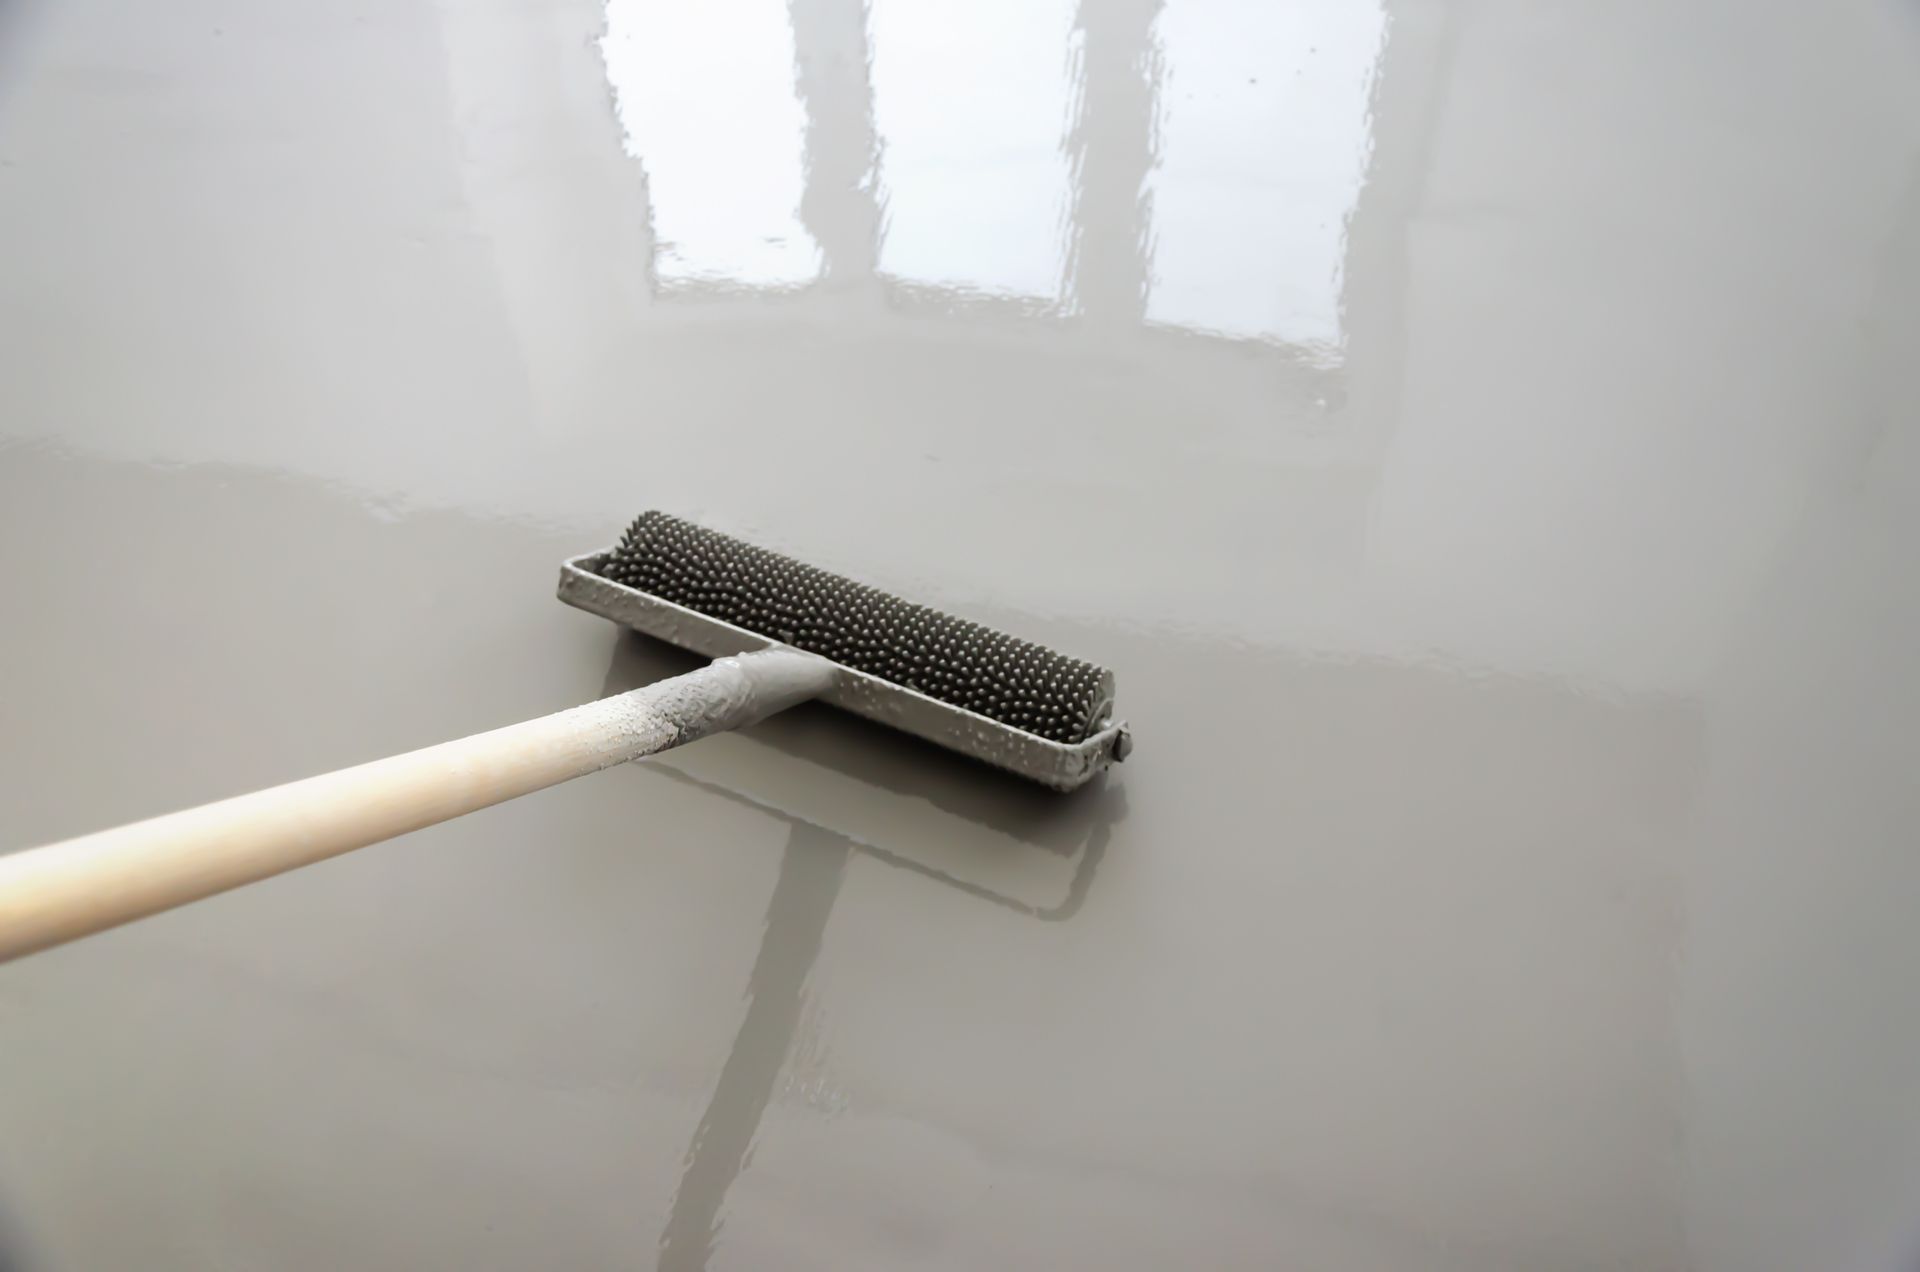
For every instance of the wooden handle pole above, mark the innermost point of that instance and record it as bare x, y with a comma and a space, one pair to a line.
80, 886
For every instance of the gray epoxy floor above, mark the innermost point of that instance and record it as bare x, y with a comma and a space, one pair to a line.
1482, 437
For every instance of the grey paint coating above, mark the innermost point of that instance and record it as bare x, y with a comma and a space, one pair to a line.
1480, 436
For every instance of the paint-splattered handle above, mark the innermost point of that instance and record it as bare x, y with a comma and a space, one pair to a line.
56, 893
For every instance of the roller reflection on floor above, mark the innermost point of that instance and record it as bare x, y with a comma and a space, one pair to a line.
1012, 838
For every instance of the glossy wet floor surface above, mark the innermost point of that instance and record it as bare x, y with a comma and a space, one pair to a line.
1481, 437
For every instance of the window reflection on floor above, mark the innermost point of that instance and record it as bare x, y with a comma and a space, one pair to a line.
1265, 135
705, 95
1230, 145
969, 99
